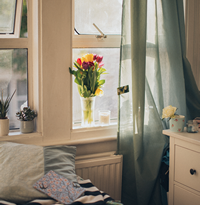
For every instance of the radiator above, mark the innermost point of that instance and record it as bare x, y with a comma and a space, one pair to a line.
105, 172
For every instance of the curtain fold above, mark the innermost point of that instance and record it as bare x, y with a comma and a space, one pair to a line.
154, 65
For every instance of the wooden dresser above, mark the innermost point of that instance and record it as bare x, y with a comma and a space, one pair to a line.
184, 168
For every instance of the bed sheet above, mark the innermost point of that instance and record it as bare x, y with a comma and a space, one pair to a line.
92, 196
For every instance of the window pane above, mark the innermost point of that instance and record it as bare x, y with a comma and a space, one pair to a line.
23, 32
109, 100
13, 75
105, 14
7, 16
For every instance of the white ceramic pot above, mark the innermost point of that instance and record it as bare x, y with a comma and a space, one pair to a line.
177, 123
26, 126
4, 127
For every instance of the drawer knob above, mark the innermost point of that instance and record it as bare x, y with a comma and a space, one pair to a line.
192, 171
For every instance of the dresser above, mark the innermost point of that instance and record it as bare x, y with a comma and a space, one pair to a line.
184, 168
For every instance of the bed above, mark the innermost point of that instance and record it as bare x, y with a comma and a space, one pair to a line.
22, 165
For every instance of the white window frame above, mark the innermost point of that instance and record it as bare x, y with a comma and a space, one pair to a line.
17, 22
49, 46
13, 41
91, 41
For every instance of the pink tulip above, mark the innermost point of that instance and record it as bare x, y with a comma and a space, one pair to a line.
101, 64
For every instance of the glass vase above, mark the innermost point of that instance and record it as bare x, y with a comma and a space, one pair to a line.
87, 111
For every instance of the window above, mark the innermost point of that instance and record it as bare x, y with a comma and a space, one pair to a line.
106, 15
10, 18
14, 55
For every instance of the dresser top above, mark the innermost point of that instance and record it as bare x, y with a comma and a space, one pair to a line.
189, 137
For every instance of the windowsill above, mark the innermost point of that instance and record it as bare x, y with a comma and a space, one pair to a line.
14, 136
81, 136
96, 132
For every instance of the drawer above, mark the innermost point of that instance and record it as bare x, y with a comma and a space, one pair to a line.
184, 197
185, 160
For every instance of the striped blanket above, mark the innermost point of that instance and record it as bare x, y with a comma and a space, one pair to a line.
92, 196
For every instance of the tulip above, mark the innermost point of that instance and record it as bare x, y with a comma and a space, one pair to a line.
91, 65
85, 65
99, 59
101, 64
94, 57
99, 92
89, 57
79, 61
83, 59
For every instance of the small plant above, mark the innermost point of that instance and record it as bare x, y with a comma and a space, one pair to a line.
26, 114
4, 105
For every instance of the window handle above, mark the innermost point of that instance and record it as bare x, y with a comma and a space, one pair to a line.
102, 34
76, 31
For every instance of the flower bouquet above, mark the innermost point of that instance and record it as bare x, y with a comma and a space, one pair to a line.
87, 77
176, 122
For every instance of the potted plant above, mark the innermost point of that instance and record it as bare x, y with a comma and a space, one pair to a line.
26, 117
4, 121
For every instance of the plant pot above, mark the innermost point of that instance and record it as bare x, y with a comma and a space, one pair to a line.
87, 110
177, 123
26, 126
4, 127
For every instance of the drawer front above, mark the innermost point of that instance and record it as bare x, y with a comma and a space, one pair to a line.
185, 160
184, 197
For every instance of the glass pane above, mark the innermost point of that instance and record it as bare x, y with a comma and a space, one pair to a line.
105, 14
7, 16
109, 100
13, 75
151, 21
23, 32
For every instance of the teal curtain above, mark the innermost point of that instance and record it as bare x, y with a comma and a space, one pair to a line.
154, 65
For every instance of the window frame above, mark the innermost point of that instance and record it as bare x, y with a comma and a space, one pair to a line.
17, 22
91, 41
13, 41
49, 57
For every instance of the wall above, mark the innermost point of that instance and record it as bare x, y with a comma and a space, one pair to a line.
192, 17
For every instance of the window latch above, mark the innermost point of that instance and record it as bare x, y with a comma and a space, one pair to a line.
102, 34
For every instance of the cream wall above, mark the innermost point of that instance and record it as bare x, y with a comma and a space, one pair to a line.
192, 17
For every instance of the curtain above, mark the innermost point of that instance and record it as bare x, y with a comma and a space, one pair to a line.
154, 65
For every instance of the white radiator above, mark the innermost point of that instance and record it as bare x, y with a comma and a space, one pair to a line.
105, 172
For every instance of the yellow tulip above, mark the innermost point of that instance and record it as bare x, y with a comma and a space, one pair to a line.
98, 92
83, 59
89, 57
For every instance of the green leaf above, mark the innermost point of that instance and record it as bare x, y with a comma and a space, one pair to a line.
77, 81
77, 66
101, 82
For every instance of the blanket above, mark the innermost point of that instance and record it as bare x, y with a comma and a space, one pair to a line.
92, 196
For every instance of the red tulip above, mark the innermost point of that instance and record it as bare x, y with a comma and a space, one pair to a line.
79, 61
91, 64
99, 59
94, 57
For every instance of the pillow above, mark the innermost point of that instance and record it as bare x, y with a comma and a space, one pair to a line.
23, 165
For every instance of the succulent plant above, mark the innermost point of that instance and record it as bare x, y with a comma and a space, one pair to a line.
4, 105
26, 114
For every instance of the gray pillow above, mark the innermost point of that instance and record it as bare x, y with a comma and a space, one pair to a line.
22, 165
